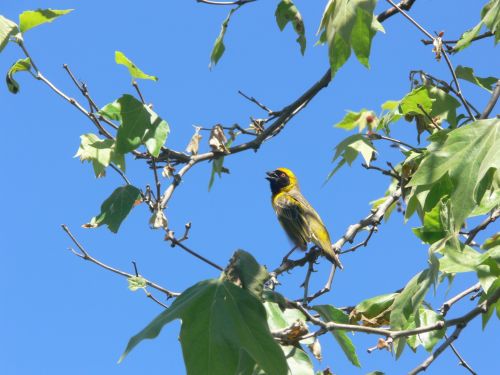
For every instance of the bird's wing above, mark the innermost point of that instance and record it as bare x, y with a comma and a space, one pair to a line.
291, 215
316, 230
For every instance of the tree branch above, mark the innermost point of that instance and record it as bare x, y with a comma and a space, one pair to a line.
86, 256
493, 101
482, 226
447, 305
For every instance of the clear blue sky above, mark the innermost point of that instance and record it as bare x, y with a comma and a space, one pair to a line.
60, 315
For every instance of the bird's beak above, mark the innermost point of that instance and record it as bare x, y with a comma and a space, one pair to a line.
270, 176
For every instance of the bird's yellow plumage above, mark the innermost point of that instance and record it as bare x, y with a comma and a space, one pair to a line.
297, 217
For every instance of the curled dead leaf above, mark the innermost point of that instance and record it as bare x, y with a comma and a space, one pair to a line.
194, 143
158, 220
315, 349
438, 47
218, 140
383, 344
167, 171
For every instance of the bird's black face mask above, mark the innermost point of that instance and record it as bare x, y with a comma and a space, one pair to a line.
278, 180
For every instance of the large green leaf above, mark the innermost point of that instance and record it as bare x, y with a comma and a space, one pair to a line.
21, 65
219, 48
375, 311
8, 29
100, 152
332, 314
219, 320
134, 71
409, 301
409, 105
32, 18
116, 208
244, 269
288, 12
467, 74
470, 155
139, 125
348, 24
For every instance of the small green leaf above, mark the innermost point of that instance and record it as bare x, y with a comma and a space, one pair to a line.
21, 65
409, 300
362, 119
373, 312
467, 74
100, 152
491, 242
32, 18
8, 29
134, 71
332, 314
409, 105
348, 24
287, 12
466, 38
116, 208
219, 47
219, 320
424, 318
349, 149
136, 282
139, 125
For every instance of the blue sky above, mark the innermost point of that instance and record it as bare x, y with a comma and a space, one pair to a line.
61, 315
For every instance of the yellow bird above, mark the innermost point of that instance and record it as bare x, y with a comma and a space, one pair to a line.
298, 218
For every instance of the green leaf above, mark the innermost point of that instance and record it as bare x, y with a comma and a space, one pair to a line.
136, 282
21, 65
438, 224
219, 320
348, 24
100, 152
466, 38
298, 361
287, 12
349, 149
409, 105
332, 314
468, 155
134, 71
467, 74
244, 269
424, 318
490, 16
373, 312
218, 166
219, 47
409, 300
32, 18
139, 125
361, 119
116, 208
8, 29
491, 242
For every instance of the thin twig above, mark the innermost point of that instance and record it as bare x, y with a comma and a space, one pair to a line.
487, 34
447, 305
492, 102
259, 104
238, 2
120, 172
305, 284
326, 288
429, 117
483, 225
86, 256
376, 136
445, 54
136, 87
460, 358
176, 242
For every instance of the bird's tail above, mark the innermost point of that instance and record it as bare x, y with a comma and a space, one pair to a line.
332, 257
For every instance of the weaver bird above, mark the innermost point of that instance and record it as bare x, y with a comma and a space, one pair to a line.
298, 218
